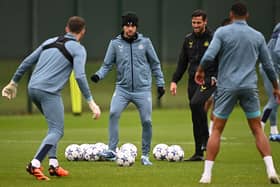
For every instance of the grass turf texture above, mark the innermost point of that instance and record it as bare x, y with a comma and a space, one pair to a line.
238, 164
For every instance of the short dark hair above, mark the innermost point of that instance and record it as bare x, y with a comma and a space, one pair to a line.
239, 9
201, 13
76, 24
226, 21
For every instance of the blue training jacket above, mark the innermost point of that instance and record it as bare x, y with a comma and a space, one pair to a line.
52, 69
274, 47
135, 63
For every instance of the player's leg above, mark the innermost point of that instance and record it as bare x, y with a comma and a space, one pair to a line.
273, 119
264, 149
119, 102
213, 147
270, 109
57, 129
209, 106
52, 107
143, 102
261, 140
249, 101
197, 104
224, 104
270, 112
34, 167
54, 113
198, 155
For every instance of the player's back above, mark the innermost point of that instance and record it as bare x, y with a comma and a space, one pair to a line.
239, 52
52, 69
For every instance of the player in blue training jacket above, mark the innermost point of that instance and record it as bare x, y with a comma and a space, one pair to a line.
270, 110
135, 59
239, 46
55, 59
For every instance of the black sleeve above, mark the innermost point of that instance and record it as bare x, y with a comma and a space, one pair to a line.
182, 64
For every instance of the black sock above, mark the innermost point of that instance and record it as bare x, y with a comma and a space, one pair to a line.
266, 114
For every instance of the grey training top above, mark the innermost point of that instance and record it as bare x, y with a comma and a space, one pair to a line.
52, 70
239, 47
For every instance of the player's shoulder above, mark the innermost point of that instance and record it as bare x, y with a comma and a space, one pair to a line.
142, 36
116, 40
75, 47
257, 35
143, 39
189, 35
50, 40
224, 29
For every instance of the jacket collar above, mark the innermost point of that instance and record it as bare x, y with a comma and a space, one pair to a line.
207, 32
129, 40
240, 22
70, 35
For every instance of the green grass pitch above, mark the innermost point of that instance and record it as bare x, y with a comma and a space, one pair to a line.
238, 164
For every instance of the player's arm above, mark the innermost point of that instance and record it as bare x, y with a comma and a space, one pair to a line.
156, 68
276, 52
10, 90
268, 67
267, 63
109, 60
182, 64
208, 57
79, 60
180, 69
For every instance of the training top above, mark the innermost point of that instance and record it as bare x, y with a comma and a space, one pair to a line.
238, 46
274, 47
135, 61
193, 49
52, 69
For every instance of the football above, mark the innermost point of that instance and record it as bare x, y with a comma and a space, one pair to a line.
175, 153
73, 152
125, 159
160, 151
84, 148
130, 148
92, 153
101, 146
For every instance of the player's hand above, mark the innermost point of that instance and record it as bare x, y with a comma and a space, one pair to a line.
10, 91
160, 92
95, 109
213, 81
199, 76
173, 88
276, 93
95, 78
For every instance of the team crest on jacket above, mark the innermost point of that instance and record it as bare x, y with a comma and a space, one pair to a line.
190, 44
206, 44
141, 46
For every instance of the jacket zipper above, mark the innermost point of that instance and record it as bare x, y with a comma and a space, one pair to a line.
132, 85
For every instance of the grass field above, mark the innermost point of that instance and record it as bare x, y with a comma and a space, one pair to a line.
238, 163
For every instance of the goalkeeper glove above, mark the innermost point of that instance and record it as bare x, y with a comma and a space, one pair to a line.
10, 91
160, 92
95, 109
95, 78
